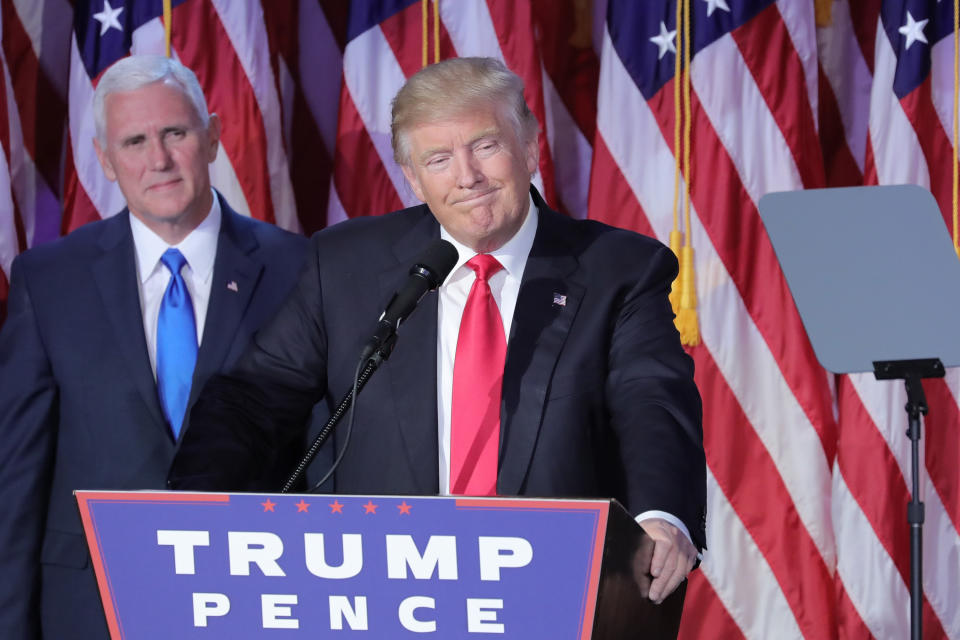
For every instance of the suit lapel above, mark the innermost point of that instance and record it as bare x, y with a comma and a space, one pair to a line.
115, 274
541, 322
236, 271
412, 370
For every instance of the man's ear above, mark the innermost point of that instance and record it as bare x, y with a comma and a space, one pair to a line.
213, 137
533, 155
413, 181
104, 161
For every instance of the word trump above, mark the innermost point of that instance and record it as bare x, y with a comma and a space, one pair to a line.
260, 552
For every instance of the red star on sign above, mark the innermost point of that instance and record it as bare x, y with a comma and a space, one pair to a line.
302, 506
336, 507
404, 508
369, 507
268, 506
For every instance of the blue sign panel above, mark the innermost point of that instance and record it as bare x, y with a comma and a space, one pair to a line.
202, 565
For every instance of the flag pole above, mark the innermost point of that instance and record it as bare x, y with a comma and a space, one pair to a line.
167, 11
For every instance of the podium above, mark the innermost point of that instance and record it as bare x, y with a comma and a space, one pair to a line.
211, 565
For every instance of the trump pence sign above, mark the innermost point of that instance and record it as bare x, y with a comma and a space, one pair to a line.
204, 565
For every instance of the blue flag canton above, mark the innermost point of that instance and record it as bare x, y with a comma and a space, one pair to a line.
365, 14
913, 27
644, 34
104, 28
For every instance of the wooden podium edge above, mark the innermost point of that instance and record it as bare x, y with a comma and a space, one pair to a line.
622, 612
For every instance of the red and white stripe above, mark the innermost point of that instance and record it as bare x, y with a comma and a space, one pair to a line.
9, 247
766, 399
846, 92
570, 68
37, 112
307, 62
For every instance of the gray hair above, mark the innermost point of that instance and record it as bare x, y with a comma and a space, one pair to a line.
454, 87
134, 72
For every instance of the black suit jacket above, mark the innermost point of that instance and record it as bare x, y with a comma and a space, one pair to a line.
78, 401
598, 394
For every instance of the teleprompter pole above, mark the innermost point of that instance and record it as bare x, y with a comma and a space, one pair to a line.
912, 372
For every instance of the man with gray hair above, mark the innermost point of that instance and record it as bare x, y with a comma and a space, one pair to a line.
546, 364
111, 332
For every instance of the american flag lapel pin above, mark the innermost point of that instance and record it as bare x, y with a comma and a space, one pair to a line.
559, 300
232, 285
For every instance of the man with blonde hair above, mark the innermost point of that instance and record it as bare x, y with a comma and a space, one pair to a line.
111, 332
546, 364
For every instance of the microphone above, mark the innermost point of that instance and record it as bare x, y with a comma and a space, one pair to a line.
426, 274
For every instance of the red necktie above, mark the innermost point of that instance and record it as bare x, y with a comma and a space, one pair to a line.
477, 380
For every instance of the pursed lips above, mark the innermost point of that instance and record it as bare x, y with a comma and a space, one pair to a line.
164, 184
475, 197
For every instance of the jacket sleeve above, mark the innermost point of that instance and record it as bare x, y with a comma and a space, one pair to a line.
244, 419
28, 422
654, 405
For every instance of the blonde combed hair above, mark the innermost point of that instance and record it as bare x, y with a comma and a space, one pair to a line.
455, 87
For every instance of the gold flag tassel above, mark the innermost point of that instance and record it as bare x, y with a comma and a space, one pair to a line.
823, 10
676, 289
676, 236
687, 323
167, 11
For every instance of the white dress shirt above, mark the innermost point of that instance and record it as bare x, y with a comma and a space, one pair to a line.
199, 248
505, 286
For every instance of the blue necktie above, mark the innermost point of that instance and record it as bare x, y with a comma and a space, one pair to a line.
176, 343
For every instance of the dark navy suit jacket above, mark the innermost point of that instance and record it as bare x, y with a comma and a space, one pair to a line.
78, 401
598, 394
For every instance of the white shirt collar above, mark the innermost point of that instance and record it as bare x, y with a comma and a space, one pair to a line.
512, 255
199, 247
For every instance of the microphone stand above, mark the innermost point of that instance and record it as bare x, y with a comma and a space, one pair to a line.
378, 357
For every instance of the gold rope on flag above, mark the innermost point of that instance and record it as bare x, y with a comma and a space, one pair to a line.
424, 11
425, 29
956, 101
166, 25
436, 31
686, 320
676, 236
683, 292
822, 12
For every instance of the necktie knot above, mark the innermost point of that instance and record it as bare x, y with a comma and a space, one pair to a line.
172, 259
484, 265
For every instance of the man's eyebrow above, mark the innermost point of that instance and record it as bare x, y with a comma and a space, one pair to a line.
432, 151
174, 127
492, 132
132, 137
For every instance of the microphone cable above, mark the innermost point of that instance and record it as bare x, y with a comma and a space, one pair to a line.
346, 437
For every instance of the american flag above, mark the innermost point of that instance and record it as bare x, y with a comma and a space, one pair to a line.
808, 472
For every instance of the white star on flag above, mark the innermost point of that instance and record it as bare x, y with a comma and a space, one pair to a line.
664, 40
713, 5
913, 30
108, 18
